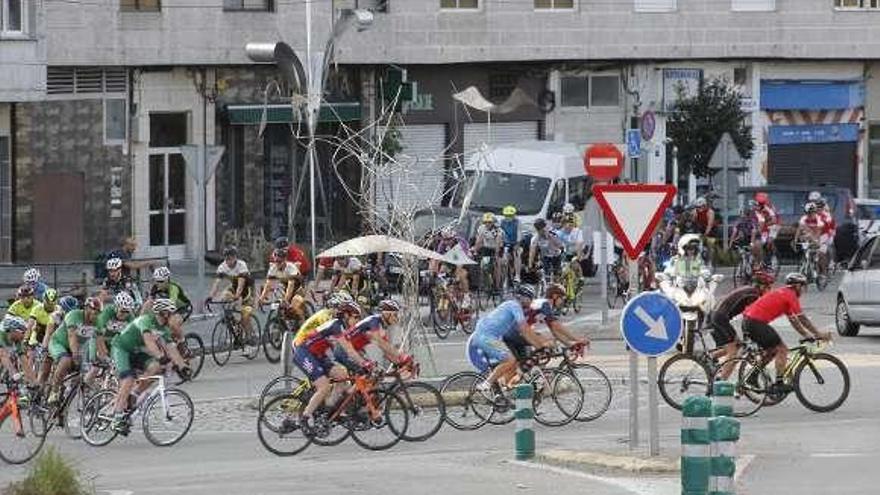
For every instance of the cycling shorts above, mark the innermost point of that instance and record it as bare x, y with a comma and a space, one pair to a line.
128, 364
313, 366
517, 345
552, 264
488, 251
342, 357
761, 333
722, 332
58, 351
484, 352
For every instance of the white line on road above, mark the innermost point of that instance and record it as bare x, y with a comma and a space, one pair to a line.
834, 455
742, 463
656, 486
118, 492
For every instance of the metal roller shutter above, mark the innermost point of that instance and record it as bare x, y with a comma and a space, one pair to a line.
475, 134
417, 182
813, 164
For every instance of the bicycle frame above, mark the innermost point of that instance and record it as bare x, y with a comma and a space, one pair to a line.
145, 396
364, 387
10, 408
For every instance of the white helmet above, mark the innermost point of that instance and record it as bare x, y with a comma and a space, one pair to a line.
12, 323
163, 305
700, 202
568, 209
31, 276
814, 196
114, 264
123, 301
687, 239
161, 274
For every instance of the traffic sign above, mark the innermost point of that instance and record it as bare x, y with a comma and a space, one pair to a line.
648, 125
603, 161
651, 324
633, 211
633, 143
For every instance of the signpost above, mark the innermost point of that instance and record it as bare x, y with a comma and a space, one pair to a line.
648, 125
633, 211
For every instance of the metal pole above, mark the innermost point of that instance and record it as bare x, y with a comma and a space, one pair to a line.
653, 409
725, 202
311, 123
201, 193
675, 171
167, 206
602, 258
633, 400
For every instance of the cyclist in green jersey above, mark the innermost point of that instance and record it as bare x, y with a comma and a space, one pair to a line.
12, 330
164, 288
141, 346
111, 321
65, 305
64, 347
41, 316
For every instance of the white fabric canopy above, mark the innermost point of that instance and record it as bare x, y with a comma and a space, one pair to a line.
369, 244
457, 256
472, 97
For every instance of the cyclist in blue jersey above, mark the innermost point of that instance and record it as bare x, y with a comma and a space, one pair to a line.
512, 239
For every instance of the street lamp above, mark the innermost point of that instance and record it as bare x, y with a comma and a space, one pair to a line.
308, 82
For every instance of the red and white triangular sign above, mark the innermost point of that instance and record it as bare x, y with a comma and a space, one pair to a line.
633, 211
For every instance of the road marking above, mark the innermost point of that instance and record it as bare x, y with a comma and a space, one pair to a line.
835, 455
118, 492
656, 486
742, 463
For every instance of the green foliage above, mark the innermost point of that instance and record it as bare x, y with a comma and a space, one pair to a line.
698, 123
50, 474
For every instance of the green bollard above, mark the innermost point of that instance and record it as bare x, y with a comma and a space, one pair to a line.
695, 460
722, 398
724, 432
524, 416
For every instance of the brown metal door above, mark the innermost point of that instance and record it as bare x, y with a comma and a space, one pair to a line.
58, 217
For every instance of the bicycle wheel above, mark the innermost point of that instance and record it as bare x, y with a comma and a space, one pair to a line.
167, 421
272, 338
221, 343
193, 351
750, 385
822, 382
442, 316
426, 410
612, 290
597, 391
20, 436
251, 346
387, 428
278, 426
557, 400
503, 406
682, 376
280, 385
97, 419
71, 417
822, 280
462, 404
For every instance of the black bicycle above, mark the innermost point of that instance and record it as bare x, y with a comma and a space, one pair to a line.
229, 333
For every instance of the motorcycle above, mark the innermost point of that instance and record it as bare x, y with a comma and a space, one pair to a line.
695, 297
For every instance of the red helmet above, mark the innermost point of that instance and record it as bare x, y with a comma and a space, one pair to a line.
762, 198
762, 277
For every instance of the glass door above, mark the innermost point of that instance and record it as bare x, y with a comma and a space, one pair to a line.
167, 209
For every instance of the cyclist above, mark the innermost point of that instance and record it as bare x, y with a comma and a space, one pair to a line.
488, 244
347, 270
544, 311
812, 228
512, 239
41, 316
312, 355
117, 281
240, 287
371, 330
768, 225
65, 305
548, 245
321, 316
34, 278
294, 254
688, 263
704, 218
142, 346
726, 339
24, 302
568, 215
64, 346
745, 231
12, 332
573, 240
111, 321
486, 346
164, 288
447, 240
830, 231
758, 316
288, 274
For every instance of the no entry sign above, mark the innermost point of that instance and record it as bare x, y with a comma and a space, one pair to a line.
603, 161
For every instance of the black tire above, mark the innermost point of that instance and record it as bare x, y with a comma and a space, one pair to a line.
193, 351
817, 371
271, 427
272, 338
71, 418
177, 406
750, 385
280, 385
97, 419
221, 343
388, 429
597, 391
19, 449
612, 288
251, 348
442, 320
461, 404
822, 280
842, 321
681, 376
426, 410
559, 405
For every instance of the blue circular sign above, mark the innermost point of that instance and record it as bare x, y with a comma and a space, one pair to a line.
651, 324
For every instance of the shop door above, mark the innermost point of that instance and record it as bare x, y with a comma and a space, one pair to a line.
58, 217
167, 201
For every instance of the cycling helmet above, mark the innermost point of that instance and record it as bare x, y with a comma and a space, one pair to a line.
525, 291
93, 303
555, 289
68, 304
279, 254
349, 307
26, 290
752, 204
282, 243
114, 264
568, 209
389, 305
820, 202
230, 251
448, 232
810, 208
163, 306
762, 198
50, 296
14, 324
700, 202
162, 274
795, 278
124, 301
509, 211
338, 298
762, 277
814, 196
31, 276
557, 217
540, 224
688, 240
488, 217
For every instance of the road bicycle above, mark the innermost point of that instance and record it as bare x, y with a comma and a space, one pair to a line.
687, 373
488, 292
809, 265
21, 429
594, 382
618, 284
166, 414
192, 350
574, 286
375, 418
229, 334
448, 310
281, 319
66, 412
744, 269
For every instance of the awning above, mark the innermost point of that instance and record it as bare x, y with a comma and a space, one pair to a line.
811, 95
283, 114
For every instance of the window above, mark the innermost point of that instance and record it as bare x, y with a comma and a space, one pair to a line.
460, 4
140, 5
252, 5
857, 4
578, 190
114, 121
655, 5
168, 129
754, 5
13, 17
740, 76
590, 91
554, 4
5, 200
557, 200
605, 91
575, 91
85, 80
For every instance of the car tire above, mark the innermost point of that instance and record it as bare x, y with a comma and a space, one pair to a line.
845, 326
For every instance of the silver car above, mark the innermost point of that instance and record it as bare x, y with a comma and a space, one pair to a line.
858, 298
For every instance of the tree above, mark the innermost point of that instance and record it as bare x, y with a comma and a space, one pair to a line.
699, 121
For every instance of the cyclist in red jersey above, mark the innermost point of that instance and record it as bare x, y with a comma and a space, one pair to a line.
770, 306
812, 228
371, 330
768, 223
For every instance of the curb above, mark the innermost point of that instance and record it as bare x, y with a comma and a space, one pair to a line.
600, 461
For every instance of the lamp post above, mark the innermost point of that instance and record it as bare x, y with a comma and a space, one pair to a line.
307, 82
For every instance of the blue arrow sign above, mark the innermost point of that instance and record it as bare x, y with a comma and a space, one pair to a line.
651, 324
633, 143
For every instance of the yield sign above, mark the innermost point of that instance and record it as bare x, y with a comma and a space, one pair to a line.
633, 211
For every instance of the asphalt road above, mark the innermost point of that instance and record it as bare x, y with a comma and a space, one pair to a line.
785, 449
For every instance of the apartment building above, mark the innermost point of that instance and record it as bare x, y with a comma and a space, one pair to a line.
98, 96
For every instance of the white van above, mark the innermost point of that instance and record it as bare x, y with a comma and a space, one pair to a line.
537, 177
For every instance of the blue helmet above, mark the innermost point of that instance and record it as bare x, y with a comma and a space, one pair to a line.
68, 303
